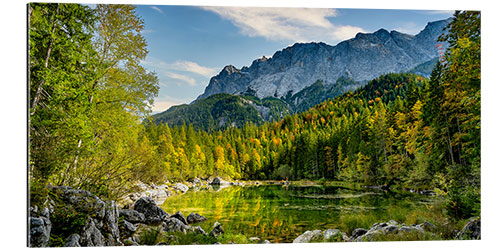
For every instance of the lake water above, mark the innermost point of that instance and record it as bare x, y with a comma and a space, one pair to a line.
281, 213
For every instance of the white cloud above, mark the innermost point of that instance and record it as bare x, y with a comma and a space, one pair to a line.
164, 102
290, 24
409, 28
186, 66
186, 79
194, 68
157, 9
440, 12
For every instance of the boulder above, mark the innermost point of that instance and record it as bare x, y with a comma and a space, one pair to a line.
195, 218
153, 214
91, 236
219, 181
254, 239
39, 233
180, 217
217, 229
471, 230
129, 227
199, 230
132, 216
358, 232
181, 187
72, 241
334, 235
309, 236
174, 225
100, 218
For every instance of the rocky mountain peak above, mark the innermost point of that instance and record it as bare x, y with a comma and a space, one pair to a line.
361, 58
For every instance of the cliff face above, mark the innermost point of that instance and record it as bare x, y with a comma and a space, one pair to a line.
361, 58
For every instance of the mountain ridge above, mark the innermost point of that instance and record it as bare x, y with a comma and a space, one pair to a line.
361, 58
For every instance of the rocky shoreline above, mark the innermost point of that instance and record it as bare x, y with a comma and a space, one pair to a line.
471, 231
72, 218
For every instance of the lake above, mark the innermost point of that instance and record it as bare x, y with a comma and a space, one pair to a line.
281, 213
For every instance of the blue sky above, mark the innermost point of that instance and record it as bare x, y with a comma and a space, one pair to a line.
190, 44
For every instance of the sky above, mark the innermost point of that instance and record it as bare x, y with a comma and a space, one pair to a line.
190, 44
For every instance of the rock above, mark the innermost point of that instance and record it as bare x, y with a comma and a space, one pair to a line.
132, 216
174, 225
309, 236
129, 227
254, 239
334, 235
427, 226
197, 182
181, 187
217, 229
195, 218
153, 214
72, 241
266, 242
219, 181
39, 231
471, 230
91, 236
101, 218
390, 229
110, 221
358, 232
180, 217
199, 230
130, 242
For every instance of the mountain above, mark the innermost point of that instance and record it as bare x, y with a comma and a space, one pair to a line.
305, 74
223, 110
364, 57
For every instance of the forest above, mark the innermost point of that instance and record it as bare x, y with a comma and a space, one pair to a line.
90, 124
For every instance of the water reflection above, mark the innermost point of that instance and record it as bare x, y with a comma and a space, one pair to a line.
281, 213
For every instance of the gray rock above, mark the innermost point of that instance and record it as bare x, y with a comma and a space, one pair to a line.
181, 187
254, 239
195, 218
309, 236
266, 242
72, 241
91, 236
427, 226
153, 214
334, 234
39, 233
390, 229
132, 216
174, 225
219, 181
199, 230
217, 229
180, 217
129, 227
471, 230
358, 232
110, 221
